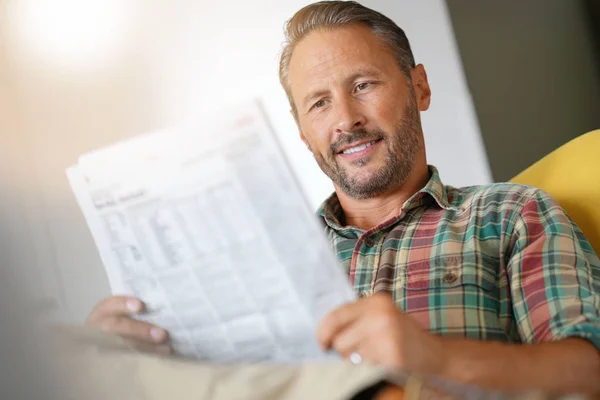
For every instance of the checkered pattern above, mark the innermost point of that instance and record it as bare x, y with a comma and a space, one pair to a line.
501, 262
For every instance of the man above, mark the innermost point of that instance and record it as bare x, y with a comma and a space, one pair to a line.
455, 281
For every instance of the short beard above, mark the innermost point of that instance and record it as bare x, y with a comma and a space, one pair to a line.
402, 147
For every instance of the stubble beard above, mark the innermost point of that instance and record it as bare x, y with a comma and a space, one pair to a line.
402, 149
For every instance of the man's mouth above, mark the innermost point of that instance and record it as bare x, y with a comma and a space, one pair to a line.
355, 148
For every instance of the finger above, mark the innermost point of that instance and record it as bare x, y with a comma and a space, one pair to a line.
133, 329
335, 321
368, 348
160, 349
114, 306
352, 338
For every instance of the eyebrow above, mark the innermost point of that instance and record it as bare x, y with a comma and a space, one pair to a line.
360, 73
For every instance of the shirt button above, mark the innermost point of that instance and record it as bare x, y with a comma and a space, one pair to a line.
369, 242
450, 277
363, 294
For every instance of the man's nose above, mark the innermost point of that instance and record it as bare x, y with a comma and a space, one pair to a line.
349, 116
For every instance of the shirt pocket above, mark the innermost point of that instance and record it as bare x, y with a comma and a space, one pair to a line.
455, 295
445, 273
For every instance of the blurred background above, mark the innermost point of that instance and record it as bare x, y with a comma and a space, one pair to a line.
511, 81
533, 70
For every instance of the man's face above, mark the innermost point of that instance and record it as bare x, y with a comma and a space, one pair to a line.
356, 111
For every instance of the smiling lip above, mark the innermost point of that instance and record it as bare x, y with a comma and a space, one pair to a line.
358, 150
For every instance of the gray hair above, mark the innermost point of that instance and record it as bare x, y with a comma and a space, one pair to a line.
335, 14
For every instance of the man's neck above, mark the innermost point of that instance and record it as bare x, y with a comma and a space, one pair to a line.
368, 213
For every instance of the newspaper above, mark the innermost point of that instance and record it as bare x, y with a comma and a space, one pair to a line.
210, 229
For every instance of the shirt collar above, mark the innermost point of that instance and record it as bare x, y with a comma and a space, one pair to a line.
331, 209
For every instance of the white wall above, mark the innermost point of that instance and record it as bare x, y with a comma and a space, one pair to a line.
174, 61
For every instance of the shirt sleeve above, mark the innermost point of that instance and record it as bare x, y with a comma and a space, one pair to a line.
554, 275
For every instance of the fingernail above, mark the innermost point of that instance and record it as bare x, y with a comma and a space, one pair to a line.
157, 334
133, 305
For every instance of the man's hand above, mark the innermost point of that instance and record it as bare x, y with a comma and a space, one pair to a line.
381, 334
113, 315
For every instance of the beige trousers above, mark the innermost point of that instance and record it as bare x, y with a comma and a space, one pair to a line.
94, 365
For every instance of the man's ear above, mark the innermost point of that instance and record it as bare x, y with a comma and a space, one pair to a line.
295, 115
422, 89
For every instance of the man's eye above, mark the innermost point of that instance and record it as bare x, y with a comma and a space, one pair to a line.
319, 104
362, 86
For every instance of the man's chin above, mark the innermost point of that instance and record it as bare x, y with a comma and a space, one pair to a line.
360, 187
363, 173
361, 192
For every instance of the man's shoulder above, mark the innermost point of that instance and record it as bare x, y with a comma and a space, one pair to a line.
495, 195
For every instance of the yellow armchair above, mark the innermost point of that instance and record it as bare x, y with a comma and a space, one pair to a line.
571, 174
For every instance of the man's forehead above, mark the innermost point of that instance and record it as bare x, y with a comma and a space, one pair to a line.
335, 54
323, 49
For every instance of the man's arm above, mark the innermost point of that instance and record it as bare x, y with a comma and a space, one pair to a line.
553, 275
566, 366
554, 280
377, 330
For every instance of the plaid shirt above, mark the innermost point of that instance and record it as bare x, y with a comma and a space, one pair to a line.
500, 262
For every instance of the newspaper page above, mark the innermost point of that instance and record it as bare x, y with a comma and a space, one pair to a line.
210, 229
